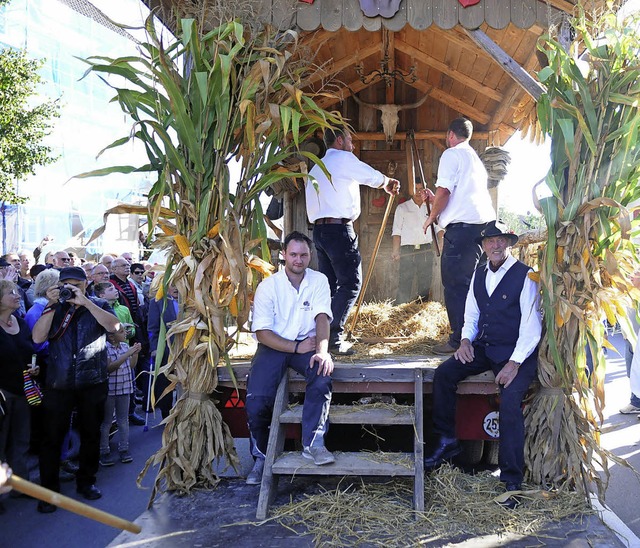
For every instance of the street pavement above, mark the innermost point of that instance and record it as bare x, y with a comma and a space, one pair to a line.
207, 518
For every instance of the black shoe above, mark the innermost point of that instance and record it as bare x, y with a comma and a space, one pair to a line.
136, 419
66, 477
46, 508
512, 502
69, 467
443, 452
341, 350
89, 492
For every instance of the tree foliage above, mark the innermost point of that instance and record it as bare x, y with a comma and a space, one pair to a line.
23, 125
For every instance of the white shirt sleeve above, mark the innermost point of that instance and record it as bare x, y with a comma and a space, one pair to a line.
398, 221
263, 307
448, 169
530, 322
471, 314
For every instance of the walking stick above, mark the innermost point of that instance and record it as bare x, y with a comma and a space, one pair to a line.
412, 138
77, 507
152, 366
370, 269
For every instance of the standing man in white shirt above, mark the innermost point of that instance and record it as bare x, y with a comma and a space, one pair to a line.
412, 247
332, 206
502, 329
291, 317
462, 207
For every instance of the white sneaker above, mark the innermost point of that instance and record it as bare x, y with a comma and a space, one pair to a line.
255, 476
319, 455
630, 409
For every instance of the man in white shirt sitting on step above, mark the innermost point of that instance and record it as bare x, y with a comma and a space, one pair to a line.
291, 318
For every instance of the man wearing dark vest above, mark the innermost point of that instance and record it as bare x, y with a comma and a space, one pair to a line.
502, 328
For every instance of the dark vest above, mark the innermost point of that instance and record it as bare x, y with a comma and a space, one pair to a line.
500, 314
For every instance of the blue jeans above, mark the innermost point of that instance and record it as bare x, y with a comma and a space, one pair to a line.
445, 384
339, 260
267, 369
460, 257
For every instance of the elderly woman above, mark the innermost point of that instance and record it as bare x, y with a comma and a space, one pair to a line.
43, 281
16, 349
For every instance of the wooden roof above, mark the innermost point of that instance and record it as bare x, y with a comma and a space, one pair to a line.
476, 61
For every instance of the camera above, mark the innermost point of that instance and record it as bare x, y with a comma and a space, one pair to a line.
65, 294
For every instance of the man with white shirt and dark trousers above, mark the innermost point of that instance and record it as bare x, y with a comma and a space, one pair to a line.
291, 316
332, 206
412, 247
462, 207
501, 332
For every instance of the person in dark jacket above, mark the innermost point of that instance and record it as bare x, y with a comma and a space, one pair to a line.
76, 327
164, 311
502, 328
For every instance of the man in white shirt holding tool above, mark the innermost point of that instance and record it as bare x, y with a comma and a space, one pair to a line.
291, 317
462, 207
501, 332
412, 247
332, 206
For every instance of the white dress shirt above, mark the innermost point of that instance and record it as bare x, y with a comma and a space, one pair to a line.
407, 223
462, 173
290, 312
340, 197
530, 323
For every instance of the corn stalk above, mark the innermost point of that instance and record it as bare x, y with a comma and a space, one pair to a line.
591, 110
196, 103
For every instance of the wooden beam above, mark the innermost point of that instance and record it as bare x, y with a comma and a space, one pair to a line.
508, 64
439, 95
425, 58
337, 66
510, 96
420, 135
562, 5
453, 102
388, 39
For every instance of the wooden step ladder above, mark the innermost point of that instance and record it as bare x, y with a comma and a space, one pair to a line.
279, 464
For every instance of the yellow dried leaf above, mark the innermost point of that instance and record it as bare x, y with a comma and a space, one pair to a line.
160, 292
215, 230
183, 245
187, 338
265, 268
233, 306
534, 276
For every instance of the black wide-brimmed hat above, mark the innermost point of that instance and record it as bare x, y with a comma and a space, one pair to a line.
497, 228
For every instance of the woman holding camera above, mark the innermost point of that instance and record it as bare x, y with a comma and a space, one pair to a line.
16, 349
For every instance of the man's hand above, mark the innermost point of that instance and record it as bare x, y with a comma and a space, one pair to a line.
465, 353
307, 345
324, 361
5, 474
392, 187
429, 221
508, 373
53, 295
79, 298
395, 255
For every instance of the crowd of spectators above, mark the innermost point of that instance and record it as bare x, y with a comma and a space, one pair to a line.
79, 329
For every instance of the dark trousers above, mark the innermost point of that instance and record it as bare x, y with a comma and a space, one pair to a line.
460, 256
415, 264
58, 406
267, 369
339, 260
445, 384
